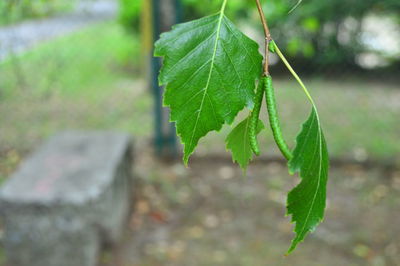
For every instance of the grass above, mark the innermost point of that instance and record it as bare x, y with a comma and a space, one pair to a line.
85, 80
359, 118
86, 62
15, 11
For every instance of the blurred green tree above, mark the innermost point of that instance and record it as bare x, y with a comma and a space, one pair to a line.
315, 35
129, 14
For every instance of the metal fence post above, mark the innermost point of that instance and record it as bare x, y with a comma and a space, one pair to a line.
165, 13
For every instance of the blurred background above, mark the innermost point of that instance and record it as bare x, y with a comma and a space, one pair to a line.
86, 64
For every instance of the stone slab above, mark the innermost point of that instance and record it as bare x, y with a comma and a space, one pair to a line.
67, 199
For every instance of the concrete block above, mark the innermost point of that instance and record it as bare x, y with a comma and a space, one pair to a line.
68, 199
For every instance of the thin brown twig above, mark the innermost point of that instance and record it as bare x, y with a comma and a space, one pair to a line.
267, 36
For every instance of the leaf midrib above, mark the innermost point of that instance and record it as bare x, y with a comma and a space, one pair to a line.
217, 38
319, 175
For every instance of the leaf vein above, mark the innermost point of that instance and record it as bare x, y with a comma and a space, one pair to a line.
189, 53
241, 44
233, 65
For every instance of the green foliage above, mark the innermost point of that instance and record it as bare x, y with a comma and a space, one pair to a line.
210, 69
310, 33
238, 142
129, 13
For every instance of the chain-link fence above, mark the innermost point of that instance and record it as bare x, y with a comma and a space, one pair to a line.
74, 66
74, 69
80, 69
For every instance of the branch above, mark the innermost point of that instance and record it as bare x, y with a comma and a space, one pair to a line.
267, 35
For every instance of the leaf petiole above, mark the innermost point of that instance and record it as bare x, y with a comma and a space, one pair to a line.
289, 67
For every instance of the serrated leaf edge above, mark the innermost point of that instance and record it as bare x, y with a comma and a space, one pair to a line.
295, 241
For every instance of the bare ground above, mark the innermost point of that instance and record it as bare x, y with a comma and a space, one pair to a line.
210, 214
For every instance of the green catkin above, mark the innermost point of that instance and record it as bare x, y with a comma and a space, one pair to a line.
254, 118
274, 120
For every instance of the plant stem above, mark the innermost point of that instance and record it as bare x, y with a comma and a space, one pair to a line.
284, 60
295, 6
267, 35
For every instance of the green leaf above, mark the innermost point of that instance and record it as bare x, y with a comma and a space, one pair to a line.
306, 202
238, 142
210, 69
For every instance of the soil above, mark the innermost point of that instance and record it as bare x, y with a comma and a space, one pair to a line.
211, 214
